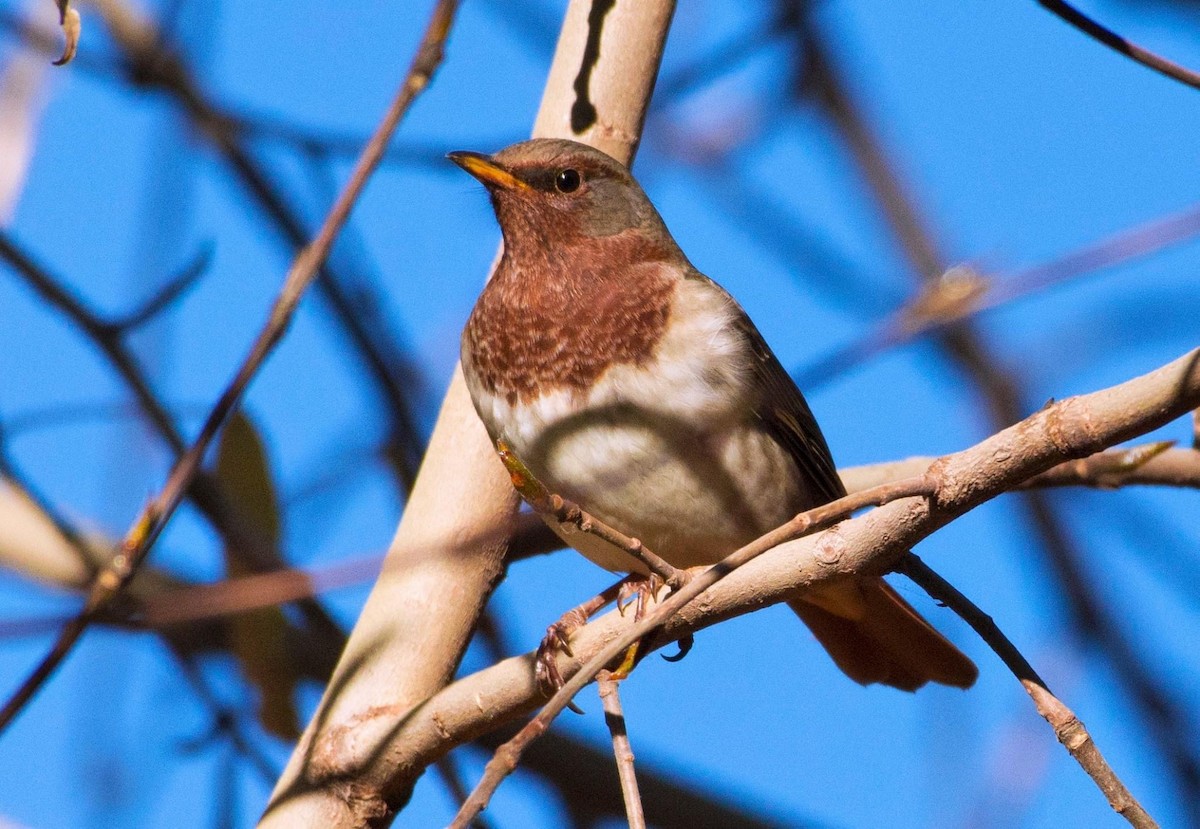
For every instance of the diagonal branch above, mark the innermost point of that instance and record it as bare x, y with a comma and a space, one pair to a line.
1114, 41
148, 62
1067, 727
153, 518
1073, 428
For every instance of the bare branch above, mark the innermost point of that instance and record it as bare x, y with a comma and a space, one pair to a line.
153, 518
962, 292
147, 62
1067, 727
614, 717
1114, 41
570, 517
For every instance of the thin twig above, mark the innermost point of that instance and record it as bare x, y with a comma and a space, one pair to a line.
1067, 727
148, 63
204, 490
1114, 41
614, 717
223, 718
167, 294
961, 292
507, 756
153, 518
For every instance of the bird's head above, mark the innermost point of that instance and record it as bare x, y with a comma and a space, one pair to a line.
554, 192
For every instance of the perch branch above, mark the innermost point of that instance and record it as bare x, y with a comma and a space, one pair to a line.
1073, 428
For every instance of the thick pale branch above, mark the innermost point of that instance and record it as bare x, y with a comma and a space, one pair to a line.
444, 562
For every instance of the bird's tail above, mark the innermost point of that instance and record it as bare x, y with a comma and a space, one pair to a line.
875, 636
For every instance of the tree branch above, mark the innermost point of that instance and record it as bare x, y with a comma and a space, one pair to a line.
153, 518
1067, 727
1114, 41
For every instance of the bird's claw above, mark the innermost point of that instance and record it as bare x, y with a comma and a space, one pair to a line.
638, 592
557, 640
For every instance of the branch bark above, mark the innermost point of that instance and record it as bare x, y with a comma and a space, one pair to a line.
448, 551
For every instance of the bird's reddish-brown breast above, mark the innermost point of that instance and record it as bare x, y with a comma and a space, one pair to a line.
557, 316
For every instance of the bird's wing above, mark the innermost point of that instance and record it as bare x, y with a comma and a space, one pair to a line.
779, 406
782, 409
785, 412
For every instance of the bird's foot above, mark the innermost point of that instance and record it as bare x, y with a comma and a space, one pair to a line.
638, 591
558, 640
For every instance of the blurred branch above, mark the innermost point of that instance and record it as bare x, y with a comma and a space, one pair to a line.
1093, 622
23, 91
153, 518
26, 521
723, 58
1069, 729
817, 76
1117, 43
168, 294
1073, 428
584, 774
962, 292
150, 64
203, 489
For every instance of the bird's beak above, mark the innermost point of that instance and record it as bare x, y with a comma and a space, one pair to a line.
487, 171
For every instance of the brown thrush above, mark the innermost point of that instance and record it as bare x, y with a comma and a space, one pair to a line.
629, 382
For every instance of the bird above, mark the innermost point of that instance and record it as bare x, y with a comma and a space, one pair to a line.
625, 380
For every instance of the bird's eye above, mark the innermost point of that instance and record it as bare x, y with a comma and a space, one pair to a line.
567, 181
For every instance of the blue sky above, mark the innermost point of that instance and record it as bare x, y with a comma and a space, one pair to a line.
1020, 139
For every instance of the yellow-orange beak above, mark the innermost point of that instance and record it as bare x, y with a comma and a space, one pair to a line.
487, 171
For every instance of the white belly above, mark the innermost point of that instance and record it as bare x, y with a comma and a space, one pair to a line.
667, 452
